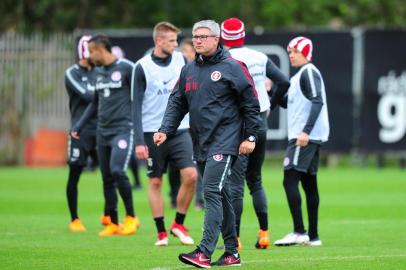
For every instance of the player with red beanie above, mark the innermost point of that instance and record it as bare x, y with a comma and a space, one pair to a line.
249, 166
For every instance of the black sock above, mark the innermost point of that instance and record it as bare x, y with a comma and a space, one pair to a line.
180, 218
159, 223
309, 184
72, 189
291, 185
263, 220
114, 217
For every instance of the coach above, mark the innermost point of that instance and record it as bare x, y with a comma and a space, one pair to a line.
218, 93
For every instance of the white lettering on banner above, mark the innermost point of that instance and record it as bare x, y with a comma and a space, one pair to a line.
392, 107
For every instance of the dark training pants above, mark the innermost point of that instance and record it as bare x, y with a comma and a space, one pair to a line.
248, 167
78, 152
219, 213
309, 184
72, 189
114, 153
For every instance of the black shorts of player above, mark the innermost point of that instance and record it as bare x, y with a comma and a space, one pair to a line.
302, 159
177, 150
80, 149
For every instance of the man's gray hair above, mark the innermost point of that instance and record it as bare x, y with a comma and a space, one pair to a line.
210, 24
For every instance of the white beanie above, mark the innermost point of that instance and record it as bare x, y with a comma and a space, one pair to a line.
83, 50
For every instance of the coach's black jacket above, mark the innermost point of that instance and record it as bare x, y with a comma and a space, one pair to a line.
224, 110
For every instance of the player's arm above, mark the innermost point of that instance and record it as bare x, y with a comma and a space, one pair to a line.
87, 114
280, 84
284, 101
310, 83
249, 106
138, 86
176, 109
74, 82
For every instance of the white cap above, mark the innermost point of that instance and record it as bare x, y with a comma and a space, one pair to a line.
83, 50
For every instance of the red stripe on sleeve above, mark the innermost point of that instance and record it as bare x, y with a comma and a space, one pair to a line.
247, 74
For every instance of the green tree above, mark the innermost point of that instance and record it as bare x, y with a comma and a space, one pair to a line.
67, 15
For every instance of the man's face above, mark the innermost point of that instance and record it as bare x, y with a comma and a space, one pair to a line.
296, 58
204, 43
167, 42
95, 54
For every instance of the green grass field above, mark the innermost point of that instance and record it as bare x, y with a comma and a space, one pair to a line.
362, 225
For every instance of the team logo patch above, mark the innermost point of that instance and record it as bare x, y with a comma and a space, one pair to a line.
215, 76
75, 152
116, 76
218, 157
122, 144
286, 161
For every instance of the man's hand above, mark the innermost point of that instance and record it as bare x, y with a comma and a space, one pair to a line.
159, 138
246, 147
302, 139
268, 85
74, 134
141, 152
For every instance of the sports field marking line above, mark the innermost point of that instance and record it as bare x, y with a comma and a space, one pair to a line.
298, 259
326, 258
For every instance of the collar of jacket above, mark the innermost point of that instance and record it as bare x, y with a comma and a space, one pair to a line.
219, 55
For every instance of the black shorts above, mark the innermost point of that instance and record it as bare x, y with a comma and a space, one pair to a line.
80, 149
177, 150
302, 159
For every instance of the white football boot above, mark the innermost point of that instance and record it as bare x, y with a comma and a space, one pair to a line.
292, 239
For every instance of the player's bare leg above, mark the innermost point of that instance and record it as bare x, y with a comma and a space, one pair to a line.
185, 196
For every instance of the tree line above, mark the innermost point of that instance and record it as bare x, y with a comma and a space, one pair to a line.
68, 15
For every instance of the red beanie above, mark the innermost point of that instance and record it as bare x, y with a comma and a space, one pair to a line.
233, 32
303, 45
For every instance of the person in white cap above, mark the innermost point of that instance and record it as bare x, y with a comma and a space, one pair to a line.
78, 83
249, 166
308, 129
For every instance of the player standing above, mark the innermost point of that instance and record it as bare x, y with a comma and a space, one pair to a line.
154, 78
115, 131
308, 129
78, 83
248, 167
